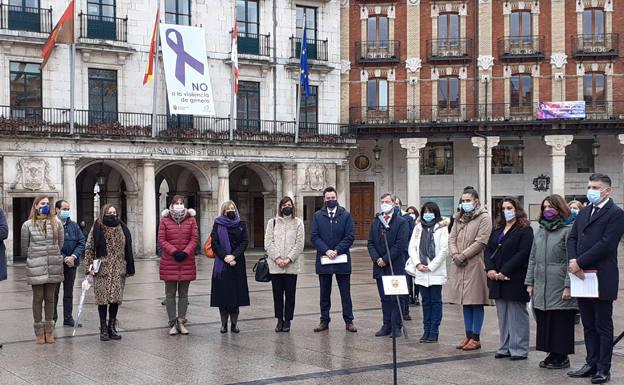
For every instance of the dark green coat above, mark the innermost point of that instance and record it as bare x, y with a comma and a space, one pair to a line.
548, 269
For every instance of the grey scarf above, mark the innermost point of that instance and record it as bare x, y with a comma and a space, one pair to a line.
427, 243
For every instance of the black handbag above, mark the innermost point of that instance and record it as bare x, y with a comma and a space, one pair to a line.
261, 269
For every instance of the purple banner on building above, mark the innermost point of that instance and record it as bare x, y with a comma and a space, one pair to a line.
561, 110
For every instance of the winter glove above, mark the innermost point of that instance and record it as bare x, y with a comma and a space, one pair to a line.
180, 256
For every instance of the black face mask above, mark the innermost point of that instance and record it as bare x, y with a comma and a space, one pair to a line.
231, 214
110, 220
287, 211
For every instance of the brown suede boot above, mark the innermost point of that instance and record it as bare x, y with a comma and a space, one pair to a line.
49, 332
39, 333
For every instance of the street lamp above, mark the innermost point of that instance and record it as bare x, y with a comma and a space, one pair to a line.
595, 148
377, 151
520, 149
100, 177
448, 151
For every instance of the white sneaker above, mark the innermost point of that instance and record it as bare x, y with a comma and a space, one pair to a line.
183, 330
173, 331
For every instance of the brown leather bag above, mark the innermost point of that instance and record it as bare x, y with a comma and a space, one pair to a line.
208, 248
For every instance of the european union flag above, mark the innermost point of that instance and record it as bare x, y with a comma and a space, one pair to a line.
303, 65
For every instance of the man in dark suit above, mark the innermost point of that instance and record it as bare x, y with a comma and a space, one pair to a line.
592, 245
333, 234
395, 228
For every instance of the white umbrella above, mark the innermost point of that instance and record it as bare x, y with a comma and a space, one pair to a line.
86, 285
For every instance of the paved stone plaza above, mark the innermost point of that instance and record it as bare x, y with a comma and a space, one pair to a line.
147, 355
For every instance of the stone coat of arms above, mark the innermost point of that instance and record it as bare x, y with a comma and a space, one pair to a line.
316, 177
33, 174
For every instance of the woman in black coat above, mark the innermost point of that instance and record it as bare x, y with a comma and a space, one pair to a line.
229, 288
506, 262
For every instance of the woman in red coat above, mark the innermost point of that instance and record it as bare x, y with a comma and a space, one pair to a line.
177, 237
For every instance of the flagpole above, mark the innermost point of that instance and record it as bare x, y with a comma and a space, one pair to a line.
298, 113
155, 89
72, 86
233, 105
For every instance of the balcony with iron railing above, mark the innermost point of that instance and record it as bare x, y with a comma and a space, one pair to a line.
254, 44
55, 122
26, 19
604, 45
378, 51
440, 50
317, 49
521, 47
103, 27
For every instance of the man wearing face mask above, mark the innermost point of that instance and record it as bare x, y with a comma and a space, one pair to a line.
72, 251
592, 245
395, 229
333, 234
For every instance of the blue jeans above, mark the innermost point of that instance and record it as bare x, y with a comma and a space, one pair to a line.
391, 316
473, 318
431, 308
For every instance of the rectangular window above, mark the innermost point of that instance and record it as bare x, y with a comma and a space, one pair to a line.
507, 158
594, 91
101, 19
178, 12
24, 15
306, 19
579, 157
448, 26
248, 22
308, 113
593, 24
25, 89
437, 159
248, 105
377, 95
448, 95
521, 93
102, 95
447, 205
521, 25
377, 30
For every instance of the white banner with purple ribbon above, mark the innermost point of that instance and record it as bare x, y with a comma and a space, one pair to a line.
189, 90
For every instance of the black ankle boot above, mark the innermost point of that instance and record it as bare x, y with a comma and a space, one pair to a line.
224, 320
234, 319
286, 327
279, 327
103, 331
112, 331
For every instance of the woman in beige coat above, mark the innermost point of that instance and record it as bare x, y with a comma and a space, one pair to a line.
283, 241
42, 240
467, 280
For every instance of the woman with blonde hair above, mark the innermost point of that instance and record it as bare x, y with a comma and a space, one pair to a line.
229, 290
42, 239
110, 243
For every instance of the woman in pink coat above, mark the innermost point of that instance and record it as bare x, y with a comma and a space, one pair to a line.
177, 237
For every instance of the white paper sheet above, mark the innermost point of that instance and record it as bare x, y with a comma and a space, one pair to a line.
584, 288
342, 258
395, 284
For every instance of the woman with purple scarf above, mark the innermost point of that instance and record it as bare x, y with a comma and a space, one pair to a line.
229, 288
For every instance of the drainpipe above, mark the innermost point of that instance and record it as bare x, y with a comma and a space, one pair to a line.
475, 19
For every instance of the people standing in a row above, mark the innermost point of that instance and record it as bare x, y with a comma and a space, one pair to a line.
387, 242
413, 296
333, 234
284, 239
72, 252
177, 237
506, 261
110, 244
592, 246
229, 289
548, 284
42, 239
467, 280
428, 248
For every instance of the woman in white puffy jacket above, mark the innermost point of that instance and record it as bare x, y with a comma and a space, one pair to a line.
428, 249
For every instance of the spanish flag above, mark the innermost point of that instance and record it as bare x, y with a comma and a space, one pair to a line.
63, 33
149, 71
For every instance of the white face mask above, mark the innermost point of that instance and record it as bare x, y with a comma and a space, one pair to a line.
386, 208
178, 208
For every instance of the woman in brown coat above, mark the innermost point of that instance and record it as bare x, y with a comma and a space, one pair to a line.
110, 243
467, 280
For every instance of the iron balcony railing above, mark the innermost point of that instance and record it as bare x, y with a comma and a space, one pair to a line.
254, 44
596, 45
103, 27
378, 51
454, 113
20, 18
35, 121
449, 49
317, 49
519, 47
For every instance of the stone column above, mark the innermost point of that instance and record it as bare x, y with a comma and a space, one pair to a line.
206, 216
413, 147
288, 180
223, 192
485, 166
558, 154
69, 185
149, 209
342, 184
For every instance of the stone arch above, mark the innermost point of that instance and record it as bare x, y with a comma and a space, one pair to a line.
125, 172
200, 175
269, 183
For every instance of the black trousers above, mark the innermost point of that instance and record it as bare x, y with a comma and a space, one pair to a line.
284, 287
69, 274
344, 285
597, 317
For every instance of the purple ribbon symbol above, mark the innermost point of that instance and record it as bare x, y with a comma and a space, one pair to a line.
183, 57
